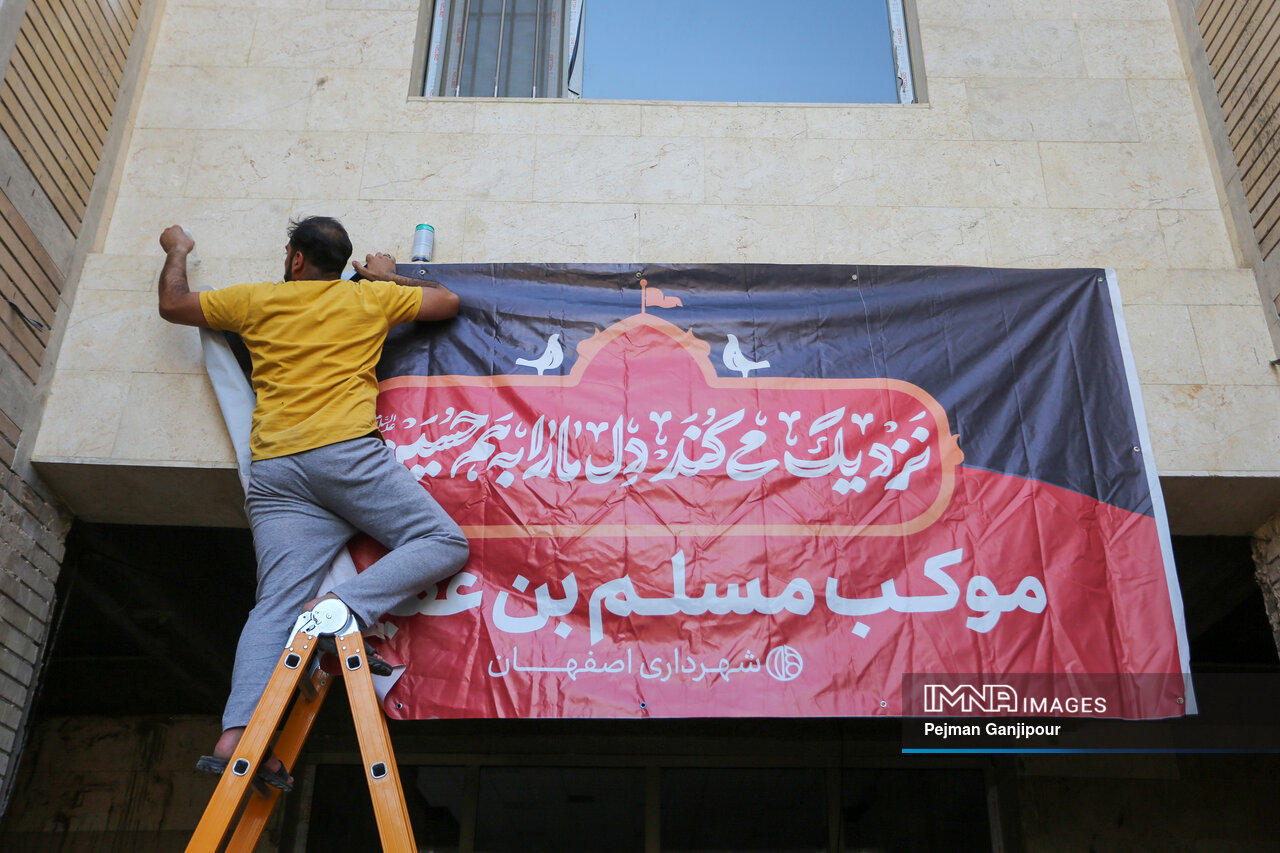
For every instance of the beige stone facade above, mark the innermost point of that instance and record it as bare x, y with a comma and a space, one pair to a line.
1051, 134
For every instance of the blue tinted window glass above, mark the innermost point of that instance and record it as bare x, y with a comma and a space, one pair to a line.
801, 51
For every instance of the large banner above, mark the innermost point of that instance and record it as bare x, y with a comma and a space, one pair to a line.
729, 490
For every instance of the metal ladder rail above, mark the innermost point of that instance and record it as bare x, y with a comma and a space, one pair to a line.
328, 618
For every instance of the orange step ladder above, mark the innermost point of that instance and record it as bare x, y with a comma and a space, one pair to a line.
298, 673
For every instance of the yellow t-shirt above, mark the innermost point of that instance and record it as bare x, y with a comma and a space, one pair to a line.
314, 345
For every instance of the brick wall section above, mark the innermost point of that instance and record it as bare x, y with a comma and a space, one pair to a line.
59, 89
32, 537
1266, 558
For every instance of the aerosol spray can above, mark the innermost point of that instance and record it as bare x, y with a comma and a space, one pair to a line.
424, 240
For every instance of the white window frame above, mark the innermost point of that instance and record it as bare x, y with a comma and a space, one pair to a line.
442, 76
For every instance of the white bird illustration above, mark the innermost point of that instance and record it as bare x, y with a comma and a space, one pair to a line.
735, 360
550, 359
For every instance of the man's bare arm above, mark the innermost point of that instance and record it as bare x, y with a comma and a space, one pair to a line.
177, 303
438, 301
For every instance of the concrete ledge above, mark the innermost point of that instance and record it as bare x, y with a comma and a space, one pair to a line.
210, 496
147, 494
1221, 505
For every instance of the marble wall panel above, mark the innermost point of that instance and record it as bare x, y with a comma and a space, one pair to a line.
1057, 133
785, 172
205, 35
1070, 238
254, 227
1126, 175
169, 417
944, 116
374, 5
960, 11
334, 39
388, 226
959, 174
1197, 239
1061, 10
682, 233
899, 235
1001, 48
276, 164
867, 173
1164, 344
123, 331
559, 118
517, 116
1165, 111
83, 413
232, 6
1214, 428
419, 115
617, 169
121, 272
157, 162
448, 167
1188, 287
700, 120
1137, 49
1094, 10
244, 99
1235, 345
1052, 109
378, 101
554, 233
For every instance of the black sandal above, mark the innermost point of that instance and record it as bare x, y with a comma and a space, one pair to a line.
275, 778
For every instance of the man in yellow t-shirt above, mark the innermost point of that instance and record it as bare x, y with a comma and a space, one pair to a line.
319, 471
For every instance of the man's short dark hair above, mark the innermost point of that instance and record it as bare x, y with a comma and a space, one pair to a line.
322, 241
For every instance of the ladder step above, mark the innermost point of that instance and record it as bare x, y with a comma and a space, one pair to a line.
297, 674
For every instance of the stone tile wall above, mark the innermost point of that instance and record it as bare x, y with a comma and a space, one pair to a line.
1057, 133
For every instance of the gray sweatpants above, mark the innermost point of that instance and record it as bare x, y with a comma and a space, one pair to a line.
303, 508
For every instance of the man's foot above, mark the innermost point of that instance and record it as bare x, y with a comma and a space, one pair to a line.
272, 771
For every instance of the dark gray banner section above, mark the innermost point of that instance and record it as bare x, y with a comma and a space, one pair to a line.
1027, 363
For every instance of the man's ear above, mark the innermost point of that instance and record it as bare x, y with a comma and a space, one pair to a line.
296, 264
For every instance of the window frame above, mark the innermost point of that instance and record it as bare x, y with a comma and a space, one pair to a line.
428, 59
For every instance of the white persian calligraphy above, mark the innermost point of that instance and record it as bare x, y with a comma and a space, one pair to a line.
678, 665
619, 597
852, 450
981, 596
547, 606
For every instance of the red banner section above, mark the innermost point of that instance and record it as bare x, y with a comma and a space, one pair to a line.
650, 539
642, 439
